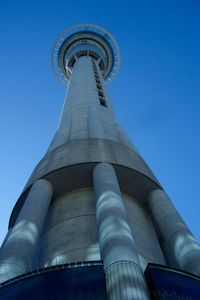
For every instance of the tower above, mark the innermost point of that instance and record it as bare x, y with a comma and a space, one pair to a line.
92, 216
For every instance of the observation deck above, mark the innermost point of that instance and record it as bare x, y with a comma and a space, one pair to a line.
85, 40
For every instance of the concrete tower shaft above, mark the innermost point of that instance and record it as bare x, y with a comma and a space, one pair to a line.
99, 199
87, 112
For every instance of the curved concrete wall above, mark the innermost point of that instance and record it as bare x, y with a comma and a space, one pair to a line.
88, 151
79, 176
70, 232
82, 108
83, 116
146, 241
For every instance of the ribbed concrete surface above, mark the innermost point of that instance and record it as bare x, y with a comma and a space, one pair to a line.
125, 282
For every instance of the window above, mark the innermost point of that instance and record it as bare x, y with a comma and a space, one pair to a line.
102, 102
98, 81
100, 94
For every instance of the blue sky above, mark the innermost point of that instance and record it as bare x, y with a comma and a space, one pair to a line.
156, 94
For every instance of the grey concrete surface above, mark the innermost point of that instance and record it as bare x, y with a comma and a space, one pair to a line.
180, 248
116, 242
18, 250
82, 114
95, 128
146, 241
70, 231
125, 281
87, 151
79, 176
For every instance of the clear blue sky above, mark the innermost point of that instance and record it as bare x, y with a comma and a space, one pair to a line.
156, 94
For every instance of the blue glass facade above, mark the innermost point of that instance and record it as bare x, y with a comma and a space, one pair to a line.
70, 281
167, 283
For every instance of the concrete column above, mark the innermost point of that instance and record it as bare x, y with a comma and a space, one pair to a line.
180, 248
19, 247
124, 276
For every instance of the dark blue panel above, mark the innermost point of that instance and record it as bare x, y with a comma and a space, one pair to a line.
166, 282
81, 282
